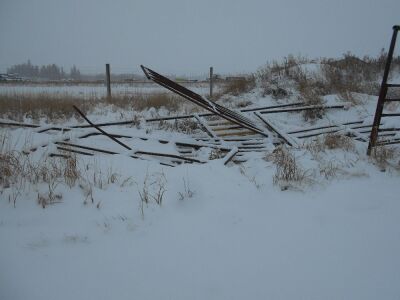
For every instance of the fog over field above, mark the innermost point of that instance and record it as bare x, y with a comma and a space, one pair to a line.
186, 37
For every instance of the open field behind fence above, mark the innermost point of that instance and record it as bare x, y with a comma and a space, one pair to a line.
87, 91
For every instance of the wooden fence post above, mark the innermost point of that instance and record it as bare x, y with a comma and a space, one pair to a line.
211, 82
108, 81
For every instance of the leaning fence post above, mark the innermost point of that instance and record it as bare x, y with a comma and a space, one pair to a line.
211, 82
108, 81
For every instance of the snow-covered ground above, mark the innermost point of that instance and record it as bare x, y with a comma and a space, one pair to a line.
94, 90
230, 240
220, 232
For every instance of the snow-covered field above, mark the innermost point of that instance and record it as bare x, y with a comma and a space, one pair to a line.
220, 231
230, 240
94, 90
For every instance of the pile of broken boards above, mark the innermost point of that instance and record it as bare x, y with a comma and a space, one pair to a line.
228, 135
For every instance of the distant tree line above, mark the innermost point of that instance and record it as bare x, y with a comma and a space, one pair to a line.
51, 71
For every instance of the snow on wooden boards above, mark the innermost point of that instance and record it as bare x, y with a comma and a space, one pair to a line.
213, 107
88, 141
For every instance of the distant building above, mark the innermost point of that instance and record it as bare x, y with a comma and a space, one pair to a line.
10, 77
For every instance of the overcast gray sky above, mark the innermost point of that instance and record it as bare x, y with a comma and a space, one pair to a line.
186, 37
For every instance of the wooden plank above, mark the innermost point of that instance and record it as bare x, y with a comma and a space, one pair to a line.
74, 151
204, 125
391, 115
271, 107
283, 135
323, 127
86, 148
212, 114
101, 130
230, 155
168, 155
243, 132
302, 108
17, 124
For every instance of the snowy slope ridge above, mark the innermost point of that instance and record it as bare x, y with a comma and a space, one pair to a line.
321, 224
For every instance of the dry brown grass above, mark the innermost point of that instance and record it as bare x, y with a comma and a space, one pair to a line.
329, 141
330, 169
344, 75
288, 171
157, 100
187, 126
338, 141
58, 108
239, 86
42, 106
382, 155
19, 170
311, 96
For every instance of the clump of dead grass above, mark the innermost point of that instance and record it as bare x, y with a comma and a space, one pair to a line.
338, 141
153, 188
288, 171
186, 126
239, 86
330, 141
330, 169
313, 98
382, 155
157, 100
19, 170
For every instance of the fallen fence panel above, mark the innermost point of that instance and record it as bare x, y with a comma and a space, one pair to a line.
215, 108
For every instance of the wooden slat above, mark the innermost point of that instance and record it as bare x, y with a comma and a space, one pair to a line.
283, 135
